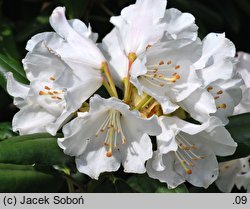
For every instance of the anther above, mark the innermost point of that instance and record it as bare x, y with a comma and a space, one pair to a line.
161, 62
42, 93
177, 67
148, 46
169, 62
124, 141
52, 78
216, 97
219, 92
222, 106
189, 171
46, 87
109, 154
209, 88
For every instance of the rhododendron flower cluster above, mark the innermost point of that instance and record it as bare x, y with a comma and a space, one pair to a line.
172, 86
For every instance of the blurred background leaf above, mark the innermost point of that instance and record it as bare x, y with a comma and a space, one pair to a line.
6, 131
143, 183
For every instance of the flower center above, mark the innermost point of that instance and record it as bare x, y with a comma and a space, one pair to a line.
112, 127
162, 74
186, 153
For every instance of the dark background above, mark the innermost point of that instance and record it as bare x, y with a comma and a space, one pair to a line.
21, 19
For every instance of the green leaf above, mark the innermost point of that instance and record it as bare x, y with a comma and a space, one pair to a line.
239, 128
6, 131
145, 184
30, 149
25, 178
9, 65
7, 42
109, 184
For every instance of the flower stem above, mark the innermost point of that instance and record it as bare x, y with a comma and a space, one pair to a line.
110, 82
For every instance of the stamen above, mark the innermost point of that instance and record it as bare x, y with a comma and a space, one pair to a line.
42, 93
177, 67
209, 88
161, 62
52, 78
109, 153
46, 87
216, 97
148, 46
187, 170
169, 62
219, 92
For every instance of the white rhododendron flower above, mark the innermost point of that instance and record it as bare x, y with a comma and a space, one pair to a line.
72, 41
139, 27
187, 152
216, 70
53, 95
234, 172
243, 68
167, 74
108, 135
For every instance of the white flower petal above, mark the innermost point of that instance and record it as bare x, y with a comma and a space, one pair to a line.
117, 58
79, 131
243, 180
94, 162
139, 25
135, 152
217, 48
72, 46
221, 70
168, 175
244, 105
38, 38
31, 119
18, 90
219, 139
226, 179
166, 140
199, 104
204, 171
243, 67
179, 25
83, 30
40, 64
